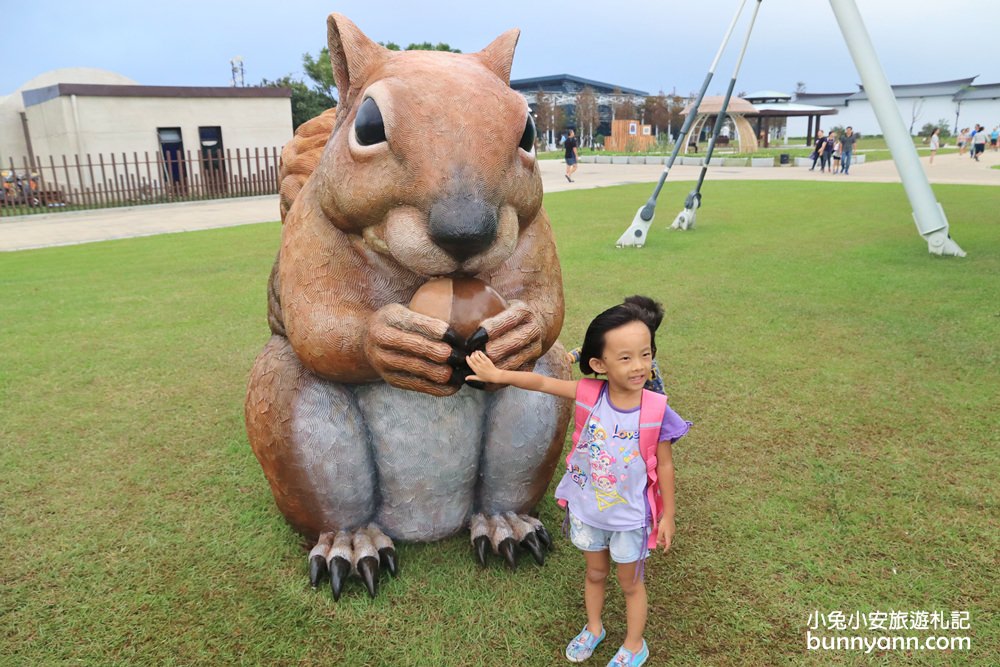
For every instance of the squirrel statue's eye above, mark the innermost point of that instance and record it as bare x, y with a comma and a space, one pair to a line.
528, 138
368, 124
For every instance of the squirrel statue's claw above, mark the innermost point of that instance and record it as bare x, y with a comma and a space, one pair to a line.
503, 531
364, 551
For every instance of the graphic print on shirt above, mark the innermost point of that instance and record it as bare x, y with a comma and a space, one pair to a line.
594, 444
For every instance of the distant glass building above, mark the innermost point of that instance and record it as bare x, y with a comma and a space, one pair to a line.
565, 88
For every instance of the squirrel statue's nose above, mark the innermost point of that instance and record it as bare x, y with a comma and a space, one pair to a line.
463, 225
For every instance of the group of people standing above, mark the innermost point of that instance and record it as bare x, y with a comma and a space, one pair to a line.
834, 153
976, 140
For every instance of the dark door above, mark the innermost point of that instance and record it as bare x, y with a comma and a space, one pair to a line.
213, 165
172, 149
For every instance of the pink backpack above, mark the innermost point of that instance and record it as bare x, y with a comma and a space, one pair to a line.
651, 411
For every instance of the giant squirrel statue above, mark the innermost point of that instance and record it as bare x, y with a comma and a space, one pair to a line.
356, 408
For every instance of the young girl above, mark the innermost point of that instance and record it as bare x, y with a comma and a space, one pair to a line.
619, 480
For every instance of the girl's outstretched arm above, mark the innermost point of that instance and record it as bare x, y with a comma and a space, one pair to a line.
485, 371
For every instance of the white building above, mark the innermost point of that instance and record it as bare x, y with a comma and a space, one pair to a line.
959, 103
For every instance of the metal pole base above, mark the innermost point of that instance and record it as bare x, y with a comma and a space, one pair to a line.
685, 220
635, 235
939, 243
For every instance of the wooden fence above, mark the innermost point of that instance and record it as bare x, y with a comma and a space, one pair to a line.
48, 185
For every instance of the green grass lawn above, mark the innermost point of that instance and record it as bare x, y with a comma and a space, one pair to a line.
845, 389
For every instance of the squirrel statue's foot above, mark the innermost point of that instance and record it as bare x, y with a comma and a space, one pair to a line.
504, 531
363, 551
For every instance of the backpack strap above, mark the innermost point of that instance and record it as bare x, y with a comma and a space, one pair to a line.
588, 391
651, 411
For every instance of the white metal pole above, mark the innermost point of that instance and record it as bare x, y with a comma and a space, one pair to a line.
927, 212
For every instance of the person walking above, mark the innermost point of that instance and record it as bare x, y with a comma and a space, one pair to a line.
571, 154
847, 149
978, 142
935, 142
962, 140
818, 144
826, 151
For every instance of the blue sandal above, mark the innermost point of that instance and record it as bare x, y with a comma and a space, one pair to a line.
625, 658
582, 646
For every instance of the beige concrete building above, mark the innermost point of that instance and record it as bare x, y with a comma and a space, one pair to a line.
80, 111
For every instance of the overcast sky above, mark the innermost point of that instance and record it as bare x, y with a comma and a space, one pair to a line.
648, 45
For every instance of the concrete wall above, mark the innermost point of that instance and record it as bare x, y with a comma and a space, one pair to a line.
11, 135
12, 142
72, 124
860, 115
984, 112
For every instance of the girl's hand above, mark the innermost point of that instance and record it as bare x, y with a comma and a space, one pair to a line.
665, 533
484, 369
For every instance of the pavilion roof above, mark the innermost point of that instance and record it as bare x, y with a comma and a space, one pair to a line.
712, 104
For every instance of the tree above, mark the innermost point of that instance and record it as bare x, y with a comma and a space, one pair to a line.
677, 104
543, 115
656, 110
320, 70
928, 129
549, 118
423, 46
587, 113
624, 106
306, 102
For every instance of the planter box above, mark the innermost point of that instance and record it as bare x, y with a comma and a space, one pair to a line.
762, 162
733, 161
689, 161
803, 162
619, 159
588, 159
716, 162
603, 159
858, 159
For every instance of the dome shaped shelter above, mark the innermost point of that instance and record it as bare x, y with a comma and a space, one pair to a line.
737, 111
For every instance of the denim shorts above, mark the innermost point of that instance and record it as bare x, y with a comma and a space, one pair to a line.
626, 546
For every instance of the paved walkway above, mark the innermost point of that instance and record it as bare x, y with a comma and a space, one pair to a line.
38, 231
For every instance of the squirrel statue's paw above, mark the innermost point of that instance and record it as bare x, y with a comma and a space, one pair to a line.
364, 552
504, 531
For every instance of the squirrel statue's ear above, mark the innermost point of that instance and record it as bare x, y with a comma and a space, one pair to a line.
499, 55
351, 55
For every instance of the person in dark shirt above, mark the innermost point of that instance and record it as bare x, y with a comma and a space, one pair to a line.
818, 147
826, 152
571, 154
847, 149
